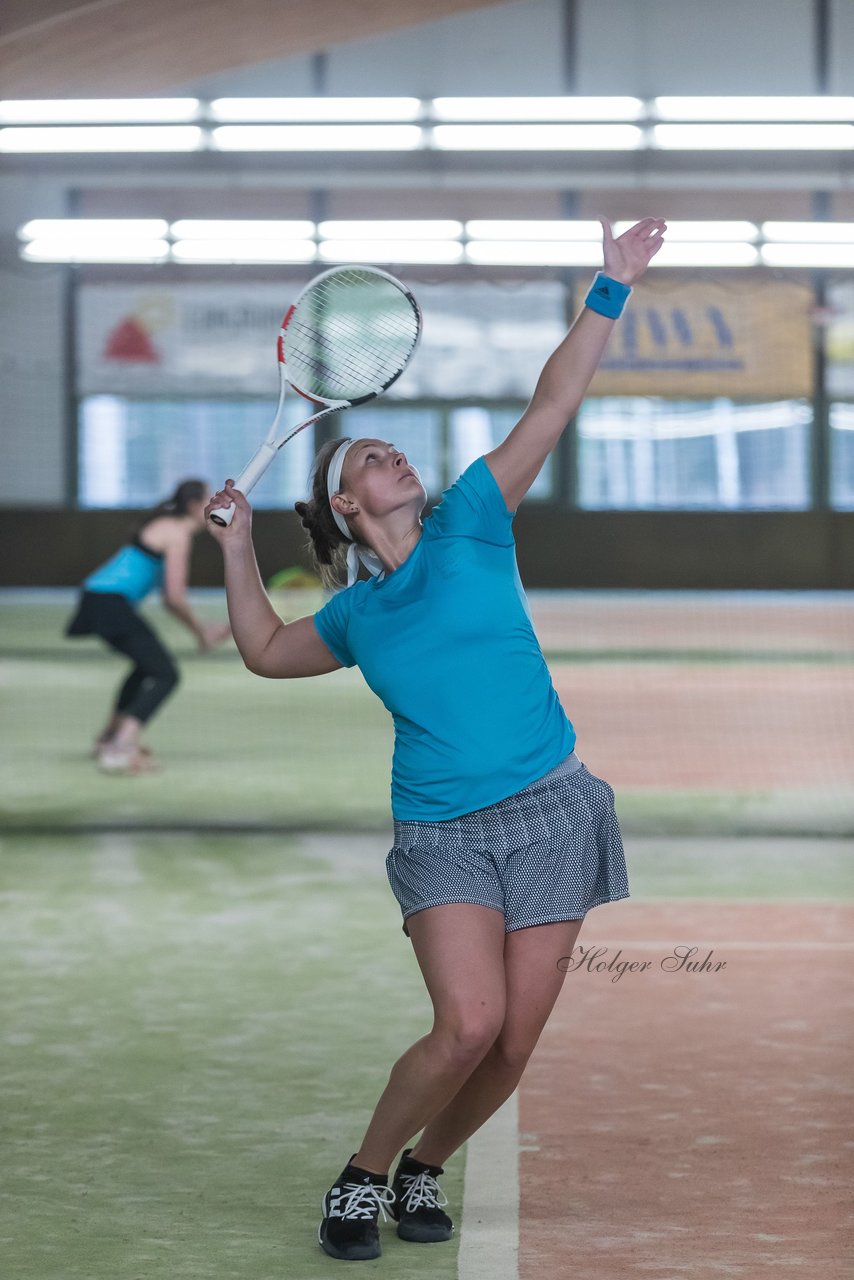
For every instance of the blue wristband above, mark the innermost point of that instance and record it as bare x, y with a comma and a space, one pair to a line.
607, 296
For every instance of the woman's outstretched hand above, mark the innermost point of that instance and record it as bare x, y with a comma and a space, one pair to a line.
628, 256
241, 523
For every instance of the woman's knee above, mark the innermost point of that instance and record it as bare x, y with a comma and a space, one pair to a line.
513, 1052
171, 677
165, 672
467, 1035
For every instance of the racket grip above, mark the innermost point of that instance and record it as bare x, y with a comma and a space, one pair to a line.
248, 478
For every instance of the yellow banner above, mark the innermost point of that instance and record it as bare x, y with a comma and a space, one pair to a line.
739, 338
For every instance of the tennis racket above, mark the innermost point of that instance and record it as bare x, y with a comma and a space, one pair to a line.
348, 336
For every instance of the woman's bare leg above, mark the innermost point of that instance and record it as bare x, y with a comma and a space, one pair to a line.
127, 732
533, 981
460, 950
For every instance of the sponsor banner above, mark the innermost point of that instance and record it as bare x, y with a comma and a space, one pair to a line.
188, 339
478, 340
700, 340
840, 341
697, 340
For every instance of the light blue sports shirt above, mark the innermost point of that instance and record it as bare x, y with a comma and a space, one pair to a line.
447, 643
133, 572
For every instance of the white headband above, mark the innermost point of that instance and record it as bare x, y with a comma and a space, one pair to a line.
356, 551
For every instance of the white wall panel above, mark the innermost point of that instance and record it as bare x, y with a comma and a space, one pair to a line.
32, 448
508, 49
280, 78
841, 47
648, 47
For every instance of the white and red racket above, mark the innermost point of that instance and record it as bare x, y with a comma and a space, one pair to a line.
348, 336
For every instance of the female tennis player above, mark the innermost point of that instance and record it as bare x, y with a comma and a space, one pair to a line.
158, 556
503, 838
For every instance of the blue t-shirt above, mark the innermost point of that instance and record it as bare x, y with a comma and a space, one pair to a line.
447, 643
132, 572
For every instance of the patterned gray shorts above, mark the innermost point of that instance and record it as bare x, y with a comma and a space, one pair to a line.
550, 852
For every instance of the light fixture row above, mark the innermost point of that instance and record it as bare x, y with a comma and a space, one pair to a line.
412, 124
400, 109
482, 242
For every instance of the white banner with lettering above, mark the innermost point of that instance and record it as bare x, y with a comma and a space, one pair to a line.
479, 339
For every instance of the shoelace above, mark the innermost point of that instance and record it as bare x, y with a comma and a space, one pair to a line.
422, 1191
359, 1198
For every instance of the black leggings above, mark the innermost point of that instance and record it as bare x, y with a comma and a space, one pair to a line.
114, 619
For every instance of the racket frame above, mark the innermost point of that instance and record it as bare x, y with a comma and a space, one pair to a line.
273, 441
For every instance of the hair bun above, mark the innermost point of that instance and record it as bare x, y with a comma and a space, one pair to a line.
307, 517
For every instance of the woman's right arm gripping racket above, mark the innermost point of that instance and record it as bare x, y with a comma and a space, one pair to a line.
275, 438
268, 646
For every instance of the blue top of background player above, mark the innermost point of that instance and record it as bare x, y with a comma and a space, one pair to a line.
442, 631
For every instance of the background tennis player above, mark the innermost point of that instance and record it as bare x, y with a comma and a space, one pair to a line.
158, 556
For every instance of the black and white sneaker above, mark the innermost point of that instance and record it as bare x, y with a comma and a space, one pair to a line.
351, 1208
417, 1201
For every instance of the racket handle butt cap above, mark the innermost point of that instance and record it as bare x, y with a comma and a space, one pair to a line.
223, 516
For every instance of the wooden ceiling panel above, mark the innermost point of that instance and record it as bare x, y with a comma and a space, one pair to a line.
121, 48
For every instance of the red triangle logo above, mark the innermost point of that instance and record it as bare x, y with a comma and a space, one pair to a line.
130, 340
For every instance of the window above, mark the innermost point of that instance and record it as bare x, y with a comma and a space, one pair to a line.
416, 431
475, 430
842, 456
645, 452
132, 453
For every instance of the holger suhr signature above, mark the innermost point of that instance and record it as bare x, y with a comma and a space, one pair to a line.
679, 960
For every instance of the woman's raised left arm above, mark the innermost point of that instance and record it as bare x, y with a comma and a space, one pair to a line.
567, 373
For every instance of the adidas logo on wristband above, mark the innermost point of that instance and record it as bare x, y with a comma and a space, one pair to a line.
607, 296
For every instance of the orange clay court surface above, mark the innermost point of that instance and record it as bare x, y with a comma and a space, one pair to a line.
676, 1125
673, 1124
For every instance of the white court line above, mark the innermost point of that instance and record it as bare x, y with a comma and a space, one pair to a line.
489, 1234
669, 944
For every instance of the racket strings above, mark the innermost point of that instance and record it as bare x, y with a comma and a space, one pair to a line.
352, 334
351, 376
347, 361
397, 332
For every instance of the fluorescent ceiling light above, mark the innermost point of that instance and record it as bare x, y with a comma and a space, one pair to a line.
561, 253
318, 137
808, 255
754, 108
97, 110
755, 137
49, 249
706, 255
69, 138
79, 229
244, 251
390, 251
412, 229
237, 109
537, 137
532, 229
810, 232
689, 231
240, 229
539, 253
565, 108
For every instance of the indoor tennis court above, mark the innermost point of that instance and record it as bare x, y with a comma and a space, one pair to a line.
204, 977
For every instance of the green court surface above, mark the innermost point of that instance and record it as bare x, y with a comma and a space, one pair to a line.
197, 1028
195, 1034
243, 753
202, 971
